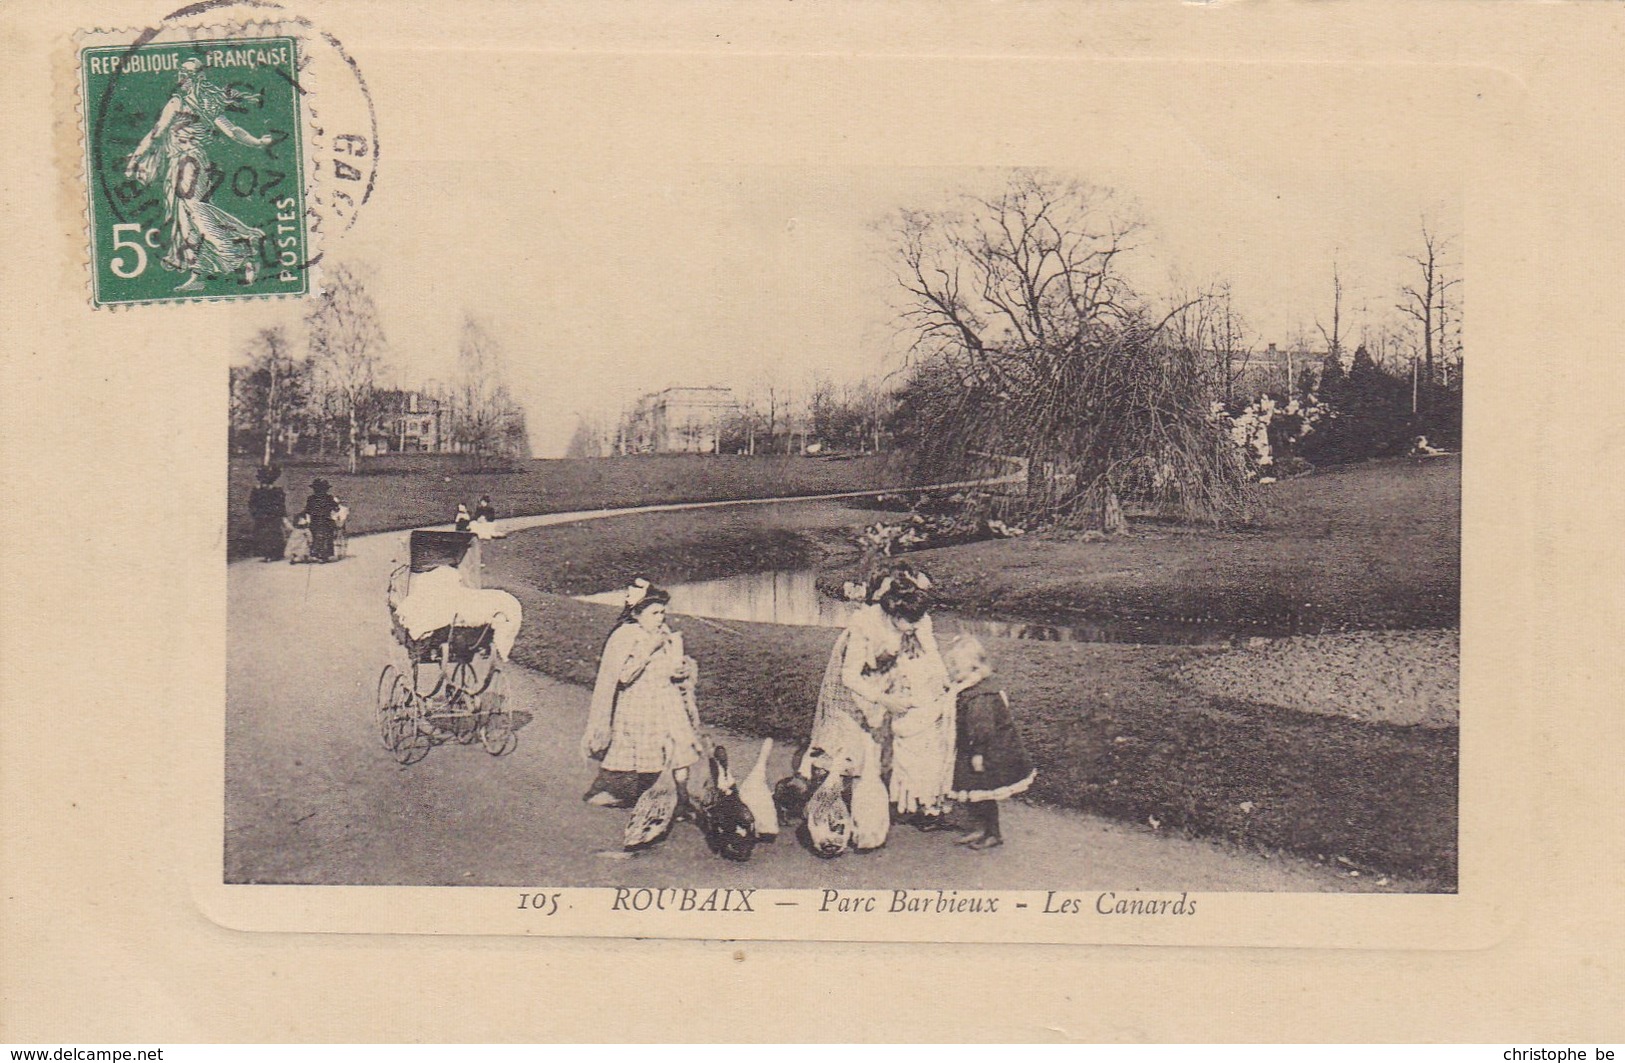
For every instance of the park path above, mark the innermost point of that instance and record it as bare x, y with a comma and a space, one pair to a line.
313, 797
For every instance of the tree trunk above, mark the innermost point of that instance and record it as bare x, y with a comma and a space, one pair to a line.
1427, 341
355, 442
270, 410
1111, 514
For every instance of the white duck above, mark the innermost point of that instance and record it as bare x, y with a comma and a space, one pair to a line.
871, 811
758, 798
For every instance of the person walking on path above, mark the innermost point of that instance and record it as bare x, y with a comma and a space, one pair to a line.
321, 508
642, 719
268, 505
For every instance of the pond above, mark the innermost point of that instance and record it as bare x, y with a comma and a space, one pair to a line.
792, 597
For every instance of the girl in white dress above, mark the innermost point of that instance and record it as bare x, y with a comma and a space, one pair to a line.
886, 683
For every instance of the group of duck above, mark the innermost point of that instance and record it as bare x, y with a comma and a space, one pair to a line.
735, 816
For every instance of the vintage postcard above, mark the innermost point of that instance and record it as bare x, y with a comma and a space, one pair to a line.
996, 549
608, 483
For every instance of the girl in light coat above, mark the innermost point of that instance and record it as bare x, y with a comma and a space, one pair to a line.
643, 718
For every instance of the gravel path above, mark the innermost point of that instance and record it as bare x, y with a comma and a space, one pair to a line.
1406, 678
312, 796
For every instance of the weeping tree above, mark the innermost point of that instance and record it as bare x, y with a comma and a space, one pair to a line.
1029, 343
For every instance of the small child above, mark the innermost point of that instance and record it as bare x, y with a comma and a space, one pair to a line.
990, 763
297, 550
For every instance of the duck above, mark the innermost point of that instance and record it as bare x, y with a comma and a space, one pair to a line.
653, 814
828, 829
758, 798
790, 794
871, 809
729, 827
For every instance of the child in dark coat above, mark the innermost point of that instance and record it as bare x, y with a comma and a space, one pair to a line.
990, 763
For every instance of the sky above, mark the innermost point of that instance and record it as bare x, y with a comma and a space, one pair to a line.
613, 258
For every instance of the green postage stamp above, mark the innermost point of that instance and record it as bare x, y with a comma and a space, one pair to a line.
196, 170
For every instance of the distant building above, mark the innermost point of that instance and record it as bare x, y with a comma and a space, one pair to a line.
411, 422
677, 421
1274, 368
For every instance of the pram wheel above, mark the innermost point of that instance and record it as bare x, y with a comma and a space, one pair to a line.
412, 738
497, 733
399, 725
461, 717
390, 701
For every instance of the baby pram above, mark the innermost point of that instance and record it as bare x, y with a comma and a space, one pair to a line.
450, 686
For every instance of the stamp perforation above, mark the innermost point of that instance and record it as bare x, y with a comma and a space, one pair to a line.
306, 91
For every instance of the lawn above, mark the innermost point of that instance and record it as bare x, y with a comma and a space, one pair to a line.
408, 491
1117, 729
1374, 546
675, 548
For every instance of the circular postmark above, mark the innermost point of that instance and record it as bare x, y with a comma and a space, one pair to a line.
226, 148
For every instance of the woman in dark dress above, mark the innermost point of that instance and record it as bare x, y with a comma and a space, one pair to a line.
320, 508
269, 508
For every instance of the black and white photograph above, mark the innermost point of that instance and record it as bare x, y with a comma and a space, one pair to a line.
859, 528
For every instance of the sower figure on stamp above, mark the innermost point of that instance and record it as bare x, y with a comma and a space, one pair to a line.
202, 238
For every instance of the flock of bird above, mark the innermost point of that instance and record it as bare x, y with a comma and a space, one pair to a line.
735, 816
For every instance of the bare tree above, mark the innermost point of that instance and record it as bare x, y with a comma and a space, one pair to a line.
591, 438
1207, 320
479, 377
347, 352
1427, 300
269, 394
487, 420
1334, 338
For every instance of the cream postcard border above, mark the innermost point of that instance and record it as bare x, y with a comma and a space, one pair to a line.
109, 818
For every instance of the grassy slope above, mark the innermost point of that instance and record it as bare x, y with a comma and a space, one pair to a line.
392, 494
673, 548
1371, 546
1112, 728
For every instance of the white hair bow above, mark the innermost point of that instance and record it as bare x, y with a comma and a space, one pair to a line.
637, 591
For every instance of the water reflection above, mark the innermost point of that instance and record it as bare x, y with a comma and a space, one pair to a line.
785, 597
792, 597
